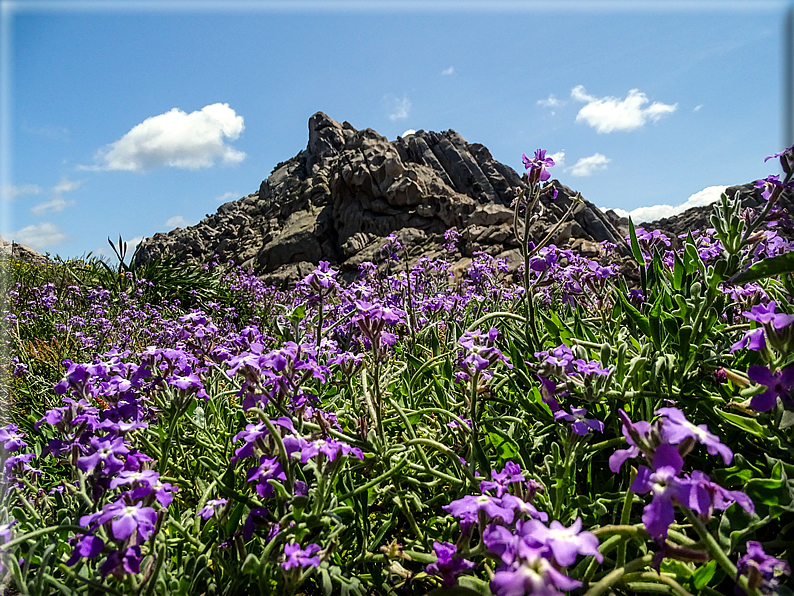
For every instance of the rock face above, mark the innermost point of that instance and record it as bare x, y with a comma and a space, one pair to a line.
350, 188
20, 251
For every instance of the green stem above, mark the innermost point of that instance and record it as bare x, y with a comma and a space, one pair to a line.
43, 532
716, 552
606, 582
375, 481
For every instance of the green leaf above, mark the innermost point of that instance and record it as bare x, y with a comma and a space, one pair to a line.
703, 575
635, 315
635, 246
748, 424
767, 491
778, 265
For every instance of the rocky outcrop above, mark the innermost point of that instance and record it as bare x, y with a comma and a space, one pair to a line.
20, 251
349, 188
699, 218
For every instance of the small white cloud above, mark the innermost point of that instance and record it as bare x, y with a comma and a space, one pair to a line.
587, 165
410, 131
609, 114
54, 206
697, 107
133, 242
39, 236
66, 185
707, 196
11, 192
176, 222
57, 203
550, 102
448, 71
176, 139
398, 108
51, 132
559, 158
226, 196
108, 254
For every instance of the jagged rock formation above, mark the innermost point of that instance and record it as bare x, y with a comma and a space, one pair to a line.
350, 188
20, 251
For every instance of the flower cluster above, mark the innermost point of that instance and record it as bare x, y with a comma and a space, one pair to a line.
664, 445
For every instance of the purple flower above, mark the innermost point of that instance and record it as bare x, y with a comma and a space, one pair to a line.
501, 480
145, 477
560, 357
778, 384
564, 543
256, 517
676, 428
322, 277
520, 506
468, 509
665, 487
481, 353
11, 438
331, 448
6, 532
295, 556
268, 467
449, 564
129, 561
539, 163
530, 573
547, 390
209, 508
106, 455
581, 425
633, 432
125, 519
766, 314
707, 496
754, 339
762, 570
88, 547
789, 153
452, 237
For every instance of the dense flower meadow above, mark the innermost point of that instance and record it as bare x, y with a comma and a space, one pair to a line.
179, 429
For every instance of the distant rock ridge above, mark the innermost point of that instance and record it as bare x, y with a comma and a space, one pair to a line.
349, 189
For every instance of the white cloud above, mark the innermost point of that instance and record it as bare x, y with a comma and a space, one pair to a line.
176, 139
550, 102
54, 206
559, 158
11, 192
448, 71
697, 107
587, 165
397, 107
609, 114
410, 131
226, 196
57, 203
107, 252
66, 185
39, 236
707, 196
176, 222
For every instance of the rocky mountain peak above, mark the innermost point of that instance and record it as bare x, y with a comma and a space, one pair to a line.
350, 188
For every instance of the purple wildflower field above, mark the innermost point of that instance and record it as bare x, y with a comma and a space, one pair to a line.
185, 429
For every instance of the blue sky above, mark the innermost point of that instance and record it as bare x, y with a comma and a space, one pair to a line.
136, 117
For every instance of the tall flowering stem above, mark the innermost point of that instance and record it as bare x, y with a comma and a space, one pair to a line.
529, 198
